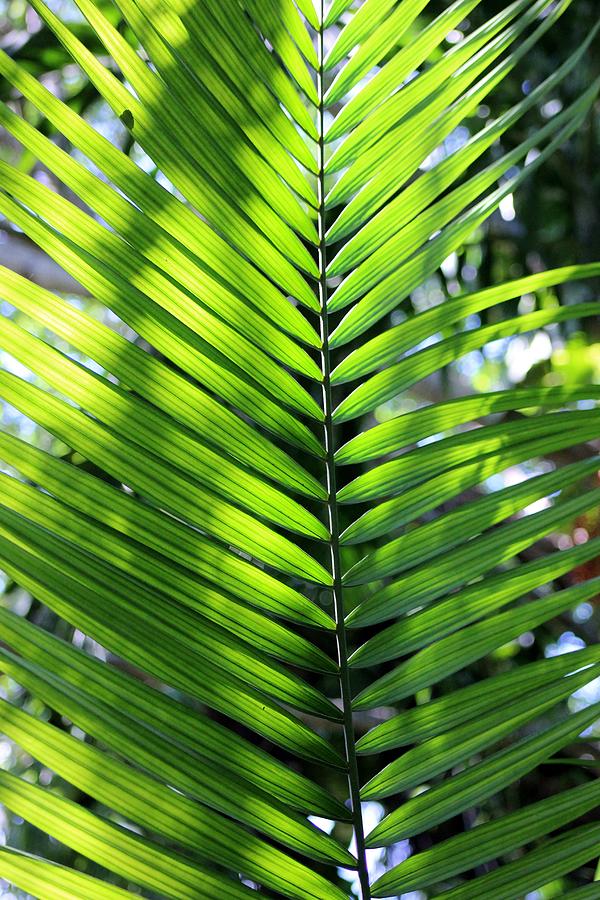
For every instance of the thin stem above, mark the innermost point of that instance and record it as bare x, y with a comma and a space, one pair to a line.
332, 506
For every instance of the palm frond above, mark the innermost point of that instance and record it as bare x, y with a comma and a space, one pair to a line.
201, 531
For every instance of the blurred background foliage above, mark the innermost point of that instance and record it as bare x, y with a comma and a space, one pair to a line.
553, 221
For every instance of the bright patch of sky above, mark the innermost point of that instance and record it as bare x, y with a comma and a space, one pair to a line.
372, 814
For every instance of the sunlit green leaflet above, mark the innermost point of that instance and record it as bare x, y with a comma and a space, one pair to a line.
385, 348
419, 365
196, 736
493, 839
464, 563
536, 868
414, 198
386, 114
130, 557
88, 237
202, 26
194, 355
253, 51
159, 532
149, 428
201, 31
119, 623
164, 252
286, 30
431, 492
455, 747
155, 382
435, 662
402, 430
200, 190
368, 192
225, 590
63, 753
129, 856
472, 603
375, 46
158, 204
456, 527
51, 881
451, 710
462, 450
401, 64
369, 14
478, 781
208, 782
387, 294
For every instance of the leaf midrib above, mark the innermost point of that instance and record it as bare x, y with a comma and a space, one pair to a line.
332, 505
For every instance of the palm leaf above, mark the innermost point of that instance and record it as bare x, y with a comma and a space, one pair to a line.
201, 526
